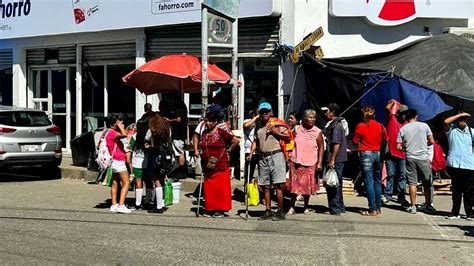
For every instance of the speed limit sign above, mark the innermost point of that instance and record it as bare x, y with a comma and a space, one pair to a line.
220, 29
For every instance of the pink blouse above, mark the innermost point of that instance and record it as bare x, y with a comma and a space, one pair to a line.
306, 148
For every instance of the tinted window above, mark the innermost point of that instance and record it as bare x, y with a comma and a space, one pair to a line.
24, 119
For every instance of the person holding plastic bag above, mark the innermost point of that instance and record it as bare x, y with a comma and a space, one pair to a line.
306, 159
215, 165
369, 135
335, 133
120, 176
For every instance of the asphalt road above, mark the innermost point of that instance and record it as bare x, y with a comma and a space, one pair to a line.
67, 221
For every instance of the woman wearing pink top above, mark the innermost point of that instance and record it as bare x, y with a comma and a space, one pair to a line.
306, 158
116, 148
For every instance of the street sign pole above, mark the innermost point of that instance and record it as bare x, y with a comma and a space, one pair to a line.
215, 33
204, 48
235, 73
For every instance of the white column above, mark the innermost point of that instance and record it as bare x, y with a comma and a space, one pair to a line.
20, 90
78, 90
68, 109
106, 93
281, 104
140, 98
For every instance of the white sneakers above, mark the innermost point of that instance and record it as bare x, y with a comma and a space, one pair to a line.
116, 208
113, 208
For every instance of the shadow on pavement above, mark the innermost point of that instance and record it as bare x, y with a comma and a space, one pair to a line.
28, 174
468, 229
106, 204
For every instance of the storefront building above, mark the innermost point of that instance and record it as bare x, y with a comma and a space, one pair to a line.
71, 66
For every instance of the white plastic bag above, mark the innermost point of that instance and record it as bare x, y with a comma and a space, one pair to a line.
330, 178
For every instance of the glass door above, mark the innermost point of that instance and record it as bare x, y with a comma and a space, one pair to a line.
51, 93
58, 101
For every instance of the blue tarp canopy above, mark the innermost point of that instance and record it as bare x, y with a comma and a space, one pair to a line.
427, 102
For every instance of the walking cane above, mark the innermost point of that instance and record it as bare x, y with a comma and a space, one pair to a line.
199, 197
246, 200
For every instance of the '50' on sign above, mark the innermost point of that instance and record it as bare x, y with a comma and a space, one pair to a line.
220, 29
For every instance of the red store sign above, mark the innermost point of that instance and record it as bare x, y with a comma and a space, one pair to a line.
396, 12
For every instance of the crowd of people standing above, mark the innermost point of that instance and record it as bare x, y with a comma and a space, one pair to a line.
404, 146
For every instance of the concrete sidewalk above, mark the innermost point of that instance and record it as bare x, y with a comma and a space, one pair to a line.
70, 171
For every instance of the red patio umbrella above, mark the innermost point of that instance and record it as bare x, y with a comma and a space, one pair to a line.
173, 73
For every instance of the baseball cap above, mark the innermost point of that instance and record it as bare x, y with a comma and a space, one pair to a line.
214, 108
402, 108
264, 105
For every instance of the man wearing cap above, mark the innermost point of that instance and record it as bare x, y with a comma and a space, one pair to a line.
335, 133
272, 164
460, 164
395, 161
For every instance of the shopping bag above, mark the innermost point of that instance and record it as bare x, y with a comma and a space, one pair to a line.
109, 176
330, 178
253, 196
168, 192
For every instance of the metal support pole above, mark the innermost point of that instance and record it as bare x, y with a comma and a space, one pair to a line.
204, 48
235, 74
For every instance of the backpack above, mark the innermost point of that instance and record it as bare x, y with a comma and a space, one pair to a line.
142, 129
165, 161
104, 158
439, 162
327, 133
286, 145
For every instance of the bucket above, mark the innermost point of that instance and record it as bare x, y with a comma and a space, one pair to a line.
176, 192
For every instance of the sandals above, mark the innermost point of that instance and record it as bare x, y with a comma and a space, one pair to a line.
369, 213
291, 211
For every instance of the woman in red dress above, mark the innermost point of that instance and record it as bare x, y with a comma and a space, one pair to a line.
215, 165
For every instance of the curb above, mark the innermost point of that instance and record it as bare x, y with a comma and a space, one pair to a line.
68, 171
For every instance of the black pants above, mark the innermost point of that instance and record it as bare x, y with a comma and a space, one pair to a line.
462, 186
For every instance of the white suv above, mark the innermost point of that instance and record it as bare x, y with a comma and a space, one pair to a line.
28, 137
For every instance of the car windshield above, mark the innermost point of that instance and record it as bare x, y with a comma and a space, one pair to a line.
24, 119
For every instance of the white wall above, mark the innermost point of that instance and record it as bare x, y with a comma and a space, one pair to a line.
344, 37
356, 36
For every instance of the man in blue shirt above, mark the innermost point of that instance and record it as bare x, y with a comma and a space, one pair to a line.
460, 164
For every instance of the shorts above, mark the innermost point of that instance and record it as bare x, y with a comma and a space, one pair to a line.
272, 168
138, 173
418, 170
178, 147
118, 166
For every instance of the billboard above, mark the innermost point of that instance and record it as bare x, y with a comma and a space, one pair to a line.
28, 18
396, 12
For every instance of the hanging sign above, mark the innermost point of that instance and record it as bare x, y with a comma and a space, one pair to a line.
306, 43
316, 51
229, 8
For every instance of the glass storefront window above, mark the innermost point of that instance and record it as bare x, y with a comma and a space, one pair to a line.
261, 83
6, 86
121, 97
92, 97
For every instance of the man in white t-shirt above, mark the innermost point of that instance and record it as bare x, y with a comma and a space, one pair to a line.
249, 135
